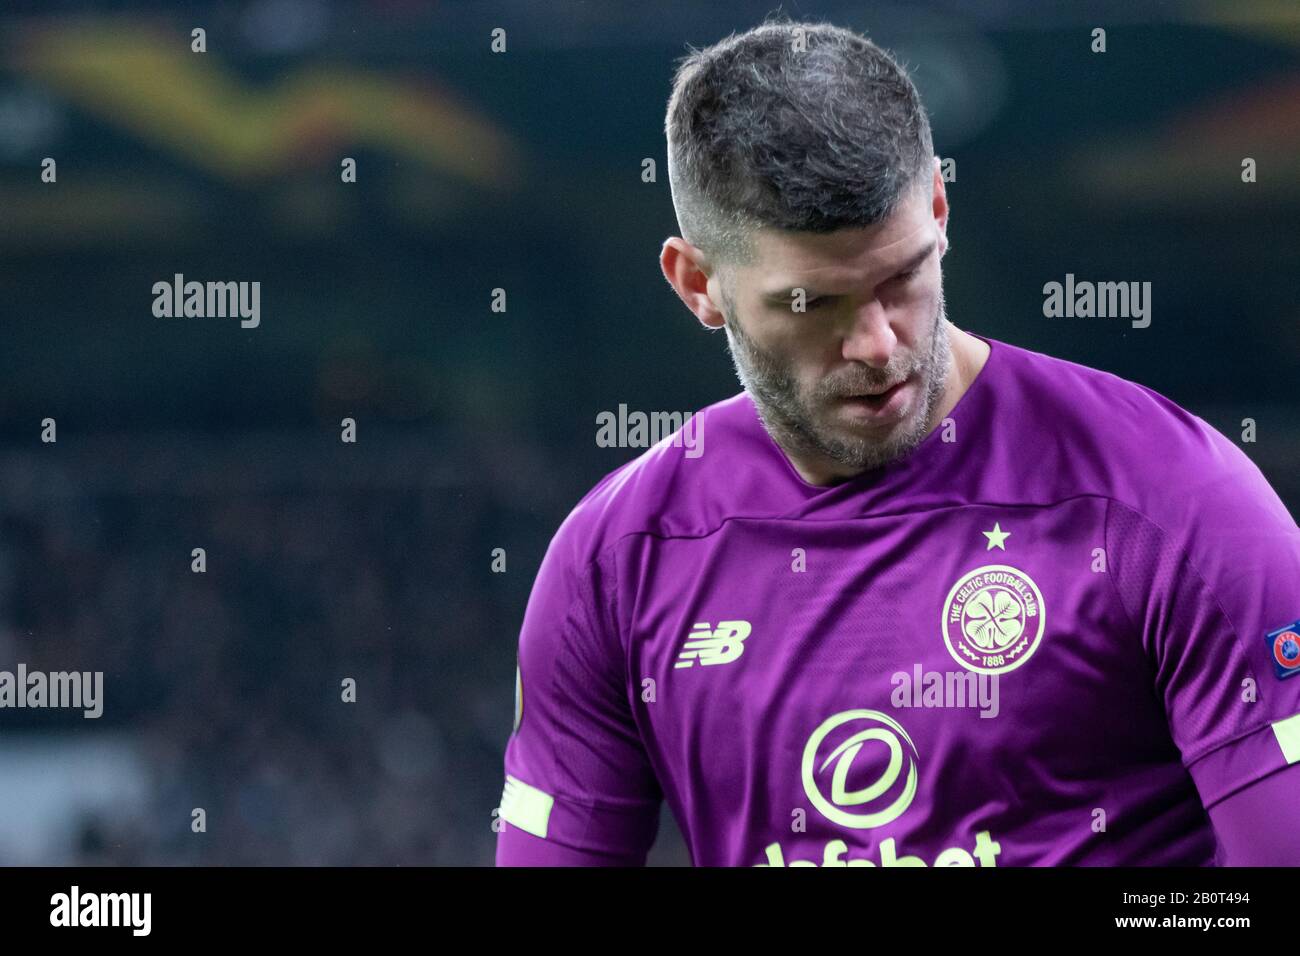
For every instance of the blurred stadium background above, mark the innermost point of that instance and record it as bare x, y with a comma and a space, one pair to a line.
477, 170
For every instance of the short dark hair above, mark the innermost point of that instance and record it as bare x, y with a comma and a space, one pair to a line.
760, 133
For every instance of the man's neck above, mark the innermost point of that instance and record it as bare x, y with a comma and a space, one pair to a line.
968, 357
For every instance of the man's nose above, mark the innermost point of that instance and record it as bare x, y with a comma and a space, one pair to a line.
870, 339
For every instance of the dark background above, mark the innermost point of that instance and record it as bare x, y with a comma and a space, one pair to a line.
476, 429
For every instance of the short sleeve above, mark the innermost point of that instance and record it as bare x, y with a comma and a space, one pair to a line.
576, 771
1209, 583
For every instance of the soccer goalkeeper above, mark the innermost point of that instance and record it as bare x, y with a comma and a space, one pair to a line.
926, 598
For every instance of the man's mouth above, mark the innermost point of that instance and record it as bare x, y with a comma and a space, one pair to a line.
880, 395
872, 405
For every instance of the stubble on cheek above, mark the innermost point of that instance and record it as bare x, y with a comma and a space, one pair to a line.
802, 421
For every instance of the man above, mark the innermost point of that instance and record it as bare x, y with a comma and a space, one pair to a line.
926, 598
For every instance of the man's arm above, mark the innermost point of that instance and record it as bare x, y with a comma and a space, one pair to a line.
580, 790
518, 848
1257, 826
1211, 581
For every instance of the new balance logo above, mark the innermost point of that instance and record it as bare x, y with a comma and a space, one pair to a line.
710, 646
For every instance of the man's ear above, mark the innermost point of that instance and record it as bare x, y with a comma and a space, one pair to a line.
939, 206
697, 284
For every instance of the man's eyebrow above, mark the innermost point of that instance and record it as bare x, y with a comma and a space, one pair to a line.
917, 259
787, 294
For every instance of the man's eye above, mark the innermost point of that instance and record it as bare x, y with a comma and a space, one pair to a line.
910, 274
817, 303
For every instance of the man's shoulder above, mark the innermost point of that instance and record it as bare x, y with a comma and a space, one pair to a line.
681, 486
1089, 431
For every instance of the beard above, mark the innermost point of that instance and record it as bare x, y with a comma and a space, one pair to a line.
801, 421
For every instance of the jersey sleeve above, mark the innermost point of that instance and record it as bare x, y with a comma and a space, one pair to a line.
1253, 825
1210, 576
577, 775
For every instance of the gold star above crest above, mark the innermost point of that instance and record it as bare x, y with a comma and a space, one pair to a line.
996, 537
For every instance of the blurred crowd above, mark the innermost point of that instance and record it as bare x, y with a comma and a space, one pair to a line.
322, 564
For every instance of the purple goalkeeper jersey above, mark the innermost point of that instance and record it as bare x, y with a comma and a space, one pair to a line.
1057, 632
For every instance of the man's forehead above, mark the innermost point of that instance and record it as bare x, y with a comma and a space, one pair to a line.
791, 259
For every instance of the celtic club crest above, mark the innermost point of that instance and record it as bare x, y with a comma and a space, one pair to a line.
993, 619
